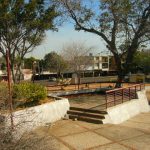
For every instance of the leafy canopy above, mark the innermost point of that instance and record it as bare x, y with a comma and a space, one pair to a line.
54, 62
124, 25
22, 26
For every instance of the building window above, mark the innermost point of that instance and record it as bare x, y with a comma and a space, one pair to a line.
97, 65
104, 65
104, 59
97, 58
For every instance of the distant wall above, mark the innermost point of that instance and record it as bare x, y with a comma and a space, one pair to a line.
95, 79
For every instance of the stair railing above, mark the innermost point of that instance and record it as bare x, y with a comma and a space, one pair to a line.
121, 95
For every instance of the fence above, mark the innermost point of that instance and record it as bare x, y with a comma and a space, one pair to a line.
117, 96
52, 88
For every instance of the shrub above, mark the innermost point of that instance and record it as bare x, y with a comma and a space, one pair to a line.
29, 92
3, 90
3, 95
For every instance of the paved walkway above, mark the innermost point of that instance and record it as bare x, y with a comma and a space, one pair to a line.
133, 134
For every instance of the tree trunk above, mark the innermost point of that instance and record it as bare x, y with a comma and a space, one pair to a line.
59, 75
119, 70
19, 74
79, 81
119, 79
13, 74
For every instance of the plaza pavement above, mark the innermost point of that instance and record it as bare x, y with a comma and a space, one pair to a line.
133, 134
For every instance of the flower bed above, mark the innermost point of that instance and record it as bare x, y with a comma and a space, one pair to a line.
33, 111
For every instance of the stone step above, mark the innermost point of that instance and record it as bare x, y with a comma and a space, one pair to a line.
88, 110
86, 119
86, 114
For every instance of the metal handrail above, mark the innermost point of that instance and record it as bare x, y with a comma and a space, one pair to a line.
122, 94
125, 87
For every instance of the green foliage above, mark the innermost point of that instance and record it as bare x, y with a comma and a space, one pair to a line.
54, 62
3, 90
3, 95
28, 62
29, 92
3, 66
22, 27
123, 25
2, 63
142, 60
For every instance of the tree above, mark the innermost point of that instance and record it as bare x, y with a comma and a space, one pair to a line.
141, 61
55, 63
2, 63
76, 55
28, 62
124, 25
14, 139
22, 28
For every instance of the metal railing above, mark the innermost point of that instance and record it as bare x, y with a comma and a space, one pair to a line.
121, 95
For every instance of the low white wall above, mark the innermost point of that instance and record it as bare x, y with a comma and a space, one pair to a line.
124, 111
30, 118
98, 79
94, 79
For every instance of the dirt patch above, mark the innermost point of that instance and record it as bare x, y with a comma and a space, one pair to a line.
35, 140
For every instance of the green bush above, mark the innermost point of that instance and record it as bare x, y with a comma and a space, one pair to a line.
3, 95
29, 92
3, 90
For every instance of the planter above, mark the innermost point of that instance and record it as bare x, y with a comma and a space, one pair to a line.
30, 118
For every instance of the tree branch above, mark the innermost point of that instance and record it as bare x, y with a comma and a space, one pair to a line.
81, 27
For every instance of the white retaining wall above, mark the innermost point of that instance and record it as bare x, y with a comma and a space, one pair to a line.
125, 111
30, 118
94, 79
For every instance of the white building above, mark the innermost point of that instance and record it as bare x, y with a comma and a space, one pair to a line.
1, 72
99, 62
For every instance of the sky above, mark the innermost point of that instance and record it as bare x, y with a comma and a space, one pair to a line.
54, 41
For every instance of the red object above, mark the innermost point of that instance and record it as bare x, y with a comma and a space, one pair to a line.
9, 87
120, 95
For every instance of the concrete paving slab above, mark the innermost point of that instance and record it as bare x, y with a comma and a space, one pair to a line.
113, 146
144, 117
85, 140
68, 134
141, 126
139, 143
39, 139
58, 145
66, 129
62, 147
60, 123
92, 126
117, 132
